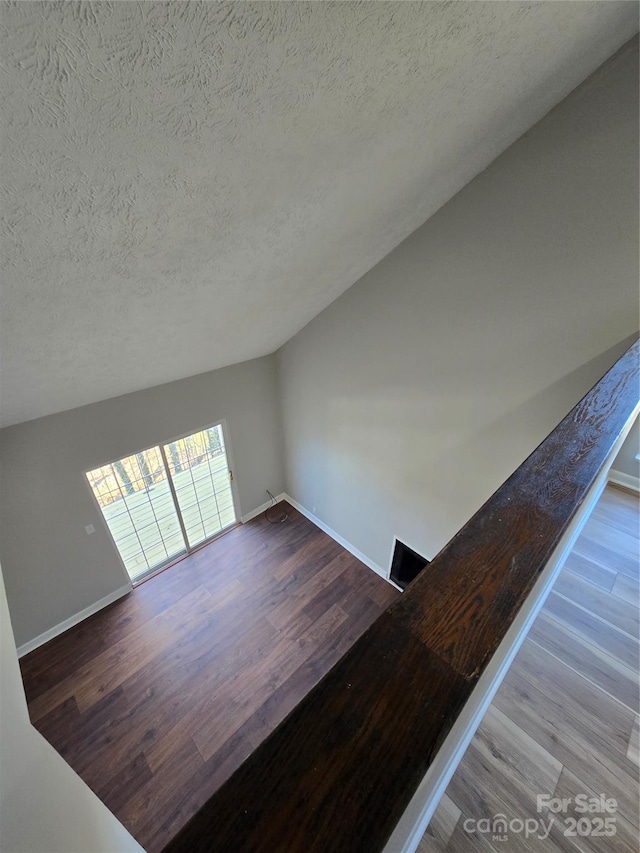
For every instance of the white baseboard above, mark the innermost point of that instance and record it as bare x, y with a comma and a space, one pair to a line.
72, 620
626, 480
340, 540
261, 508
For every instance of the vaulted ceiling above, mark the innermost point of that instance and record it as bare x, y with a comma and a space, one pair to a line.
185, 185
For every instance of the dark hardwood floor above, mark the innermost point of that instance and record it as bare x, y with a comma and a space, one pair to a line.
157, 699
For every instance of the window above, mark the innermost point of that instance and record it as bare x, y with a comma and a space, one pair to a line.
162, 502
201, 479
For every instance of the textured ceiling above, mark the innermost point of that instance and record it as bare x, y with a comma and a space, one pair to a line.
185, 185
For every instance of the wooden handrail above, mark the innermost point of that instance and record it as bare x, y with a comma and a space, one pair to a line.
339, 771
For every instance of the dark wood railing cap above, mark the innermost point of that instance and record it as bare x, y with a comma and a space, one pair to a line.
338, 772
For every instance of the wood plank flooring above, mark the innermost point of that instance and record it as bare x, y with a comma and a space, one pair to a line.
565, 720
157, 699
339, 771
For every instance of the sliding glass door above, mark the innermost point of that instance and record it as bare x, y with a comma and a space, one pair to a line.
136, 502
201, 478
162, 502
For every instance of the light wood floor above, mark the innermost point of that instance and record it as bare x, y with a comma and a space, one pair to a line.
157, 699
565, 720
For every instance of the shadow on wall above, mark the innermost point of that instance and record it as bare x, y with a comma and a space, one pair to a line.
399, 462
532, 417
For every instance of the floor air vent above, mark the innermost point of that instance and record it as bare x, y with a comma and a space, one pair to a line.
406, 564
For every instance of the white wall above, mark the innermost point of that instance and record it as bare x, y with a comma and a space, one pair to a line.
408, 400
626, 462
52, 569
44, 806
411, 398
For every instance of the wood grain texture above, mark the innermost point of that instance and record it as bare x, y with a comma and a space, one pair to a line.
611, 675
633, 750
598, 575
441, 827
474, 588
627, 588
187, 771
353, 741
626, 837
566, 709
584, 749
158, 699
338, 772
593, 630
